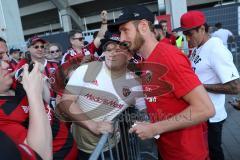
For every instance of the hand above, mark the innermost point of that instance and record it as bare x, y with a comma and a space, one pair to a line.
101, 127
33, 82
235, 102
144, 130
86, 59
104, 16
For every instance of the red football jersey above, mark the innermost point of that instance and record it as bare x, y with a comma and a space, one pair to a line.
175, 78
14, 116
71, 53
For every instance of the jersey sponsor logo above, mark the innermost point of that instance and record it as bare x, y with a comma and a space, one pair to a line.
25, 109
104, 101
126, 91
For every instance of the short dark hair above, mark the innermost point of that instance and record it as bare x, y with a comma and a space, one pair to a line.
206, 26
2, 40
218, 25
72, 33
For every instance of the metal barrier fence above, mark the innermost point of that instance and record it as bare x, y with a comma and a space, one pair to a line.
126, 146
233, 47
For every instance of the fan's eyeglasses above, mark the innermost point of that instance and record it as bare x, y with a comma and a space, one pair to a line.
37, 47
56, 51
80, 38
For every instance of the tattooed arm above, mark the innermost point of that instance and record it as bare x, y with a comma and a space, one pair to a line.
232, 87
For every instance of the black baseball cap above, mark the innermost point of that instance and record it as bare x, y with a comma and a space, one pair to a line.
130, 13
14, 50
110, 37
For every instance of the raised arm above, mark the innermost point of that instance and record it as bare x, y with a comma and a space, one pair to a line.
102, 30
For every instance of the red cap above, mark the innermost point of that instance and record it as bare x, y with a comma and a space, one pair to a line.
35, 39
192, 19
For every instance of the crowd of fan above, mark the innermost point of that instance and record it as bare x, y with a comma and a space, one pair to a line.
33, 85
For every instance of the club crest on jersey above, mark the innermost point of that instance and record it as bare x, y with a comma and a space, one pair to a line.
126, 91
52, 70
148, 76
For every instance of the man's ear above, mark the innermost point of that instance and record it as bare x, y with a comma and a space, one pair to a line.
71, 40
143, 26
202, 28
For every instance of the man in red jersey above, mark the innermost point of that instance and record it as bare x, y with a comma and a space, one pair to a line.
179, 112
77, 42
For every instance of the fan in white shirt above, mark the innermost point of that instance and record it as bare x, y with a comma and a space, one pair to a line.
224, 34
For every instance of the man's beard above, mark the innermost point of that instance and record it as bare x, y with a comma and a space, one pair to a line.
137, 42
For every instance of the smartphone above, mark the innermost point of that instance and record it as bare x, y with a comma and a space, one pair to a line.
18, 74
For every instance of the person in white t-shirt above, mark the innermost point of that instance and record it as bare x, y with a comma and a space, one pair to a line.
224, 34
100, 91
213, 63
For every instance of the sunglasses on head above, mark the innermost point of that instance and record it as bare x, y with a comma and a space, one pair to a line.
56, 51
80, 38
37, 47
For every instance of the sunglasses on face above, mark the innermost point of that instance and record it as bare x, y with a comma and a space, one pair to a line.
80, 38
56, 51
37, 47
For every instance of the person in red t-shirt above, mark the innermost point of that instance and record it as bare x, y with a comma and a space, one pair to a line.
171, 38
159, 34
77, 42
177, 103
